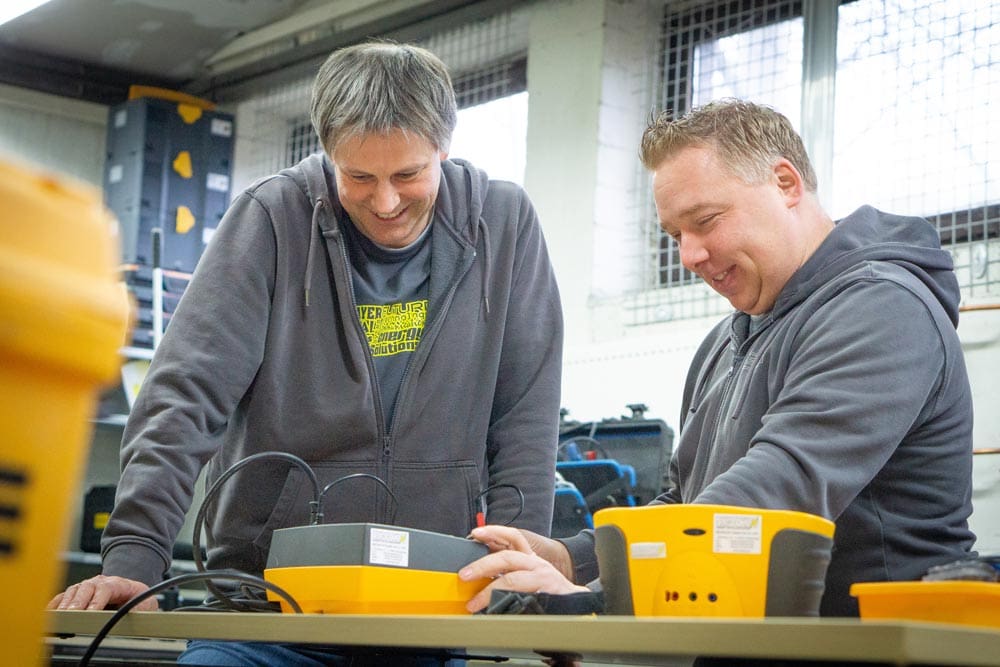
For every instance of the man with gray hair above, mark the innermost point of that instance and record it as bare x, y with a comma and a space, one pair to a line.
376, 310
838, 386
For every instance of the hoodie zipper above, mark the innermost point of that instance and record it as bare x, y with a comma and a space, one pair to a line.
725, 409
724, 402
382, 436
419, 355
427, 339
385, 436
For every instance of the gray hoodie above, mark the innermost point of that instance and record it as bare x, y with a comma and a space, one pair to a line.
851, 402
265, 352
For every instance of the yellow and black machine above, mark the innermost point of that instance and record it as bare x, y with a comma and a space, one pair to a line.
369, 568
712, 560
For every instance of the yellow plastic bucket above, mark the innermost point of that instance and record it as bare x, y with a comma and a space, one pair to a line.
64, 315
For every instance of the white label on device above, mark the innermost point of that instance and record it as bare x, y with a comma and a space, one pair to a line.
222, 127
217, 182
647, 550
737, 534
389, 547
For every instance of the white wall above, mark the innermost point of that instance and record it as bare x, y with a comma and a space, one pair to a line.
564, 87
53, 132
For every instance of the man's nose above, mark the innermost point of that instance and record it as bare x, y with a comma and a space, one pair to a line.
385, 199
692, 251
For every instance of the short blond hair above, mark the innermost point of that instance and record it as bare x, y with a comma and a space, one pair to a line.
748, 137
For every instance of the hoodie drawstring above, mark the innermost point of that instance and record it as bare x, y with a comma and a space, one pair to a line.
487, 272
314, 232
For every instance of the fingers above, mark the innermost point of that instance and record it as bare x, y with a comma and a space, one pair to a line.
149, 604
105, 592
76, 596
513, 581
496, 564
54, 602
514, 571
500, 538
508, 570
99, 592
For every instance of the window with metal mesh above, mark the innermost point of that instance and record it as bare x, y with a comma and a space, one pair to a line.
915, 127
492, 125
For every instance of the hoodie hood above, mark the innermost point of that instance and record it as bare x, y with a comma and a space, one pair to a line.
868, 235
460, 199
458, 211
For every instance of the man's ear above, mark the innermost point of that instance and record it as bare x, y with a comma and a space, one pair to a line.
789, 182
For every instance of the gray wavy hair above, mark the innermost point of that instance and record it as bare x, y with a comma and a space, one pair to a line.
380, 86
748, 137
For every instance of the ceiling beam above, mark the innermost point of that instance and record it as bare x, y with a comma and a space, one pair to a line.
67, 78
297, 60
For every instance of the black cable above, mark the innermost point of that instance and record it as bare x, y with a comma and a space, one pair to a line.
224, 598
358, 475
205, 576
494, 487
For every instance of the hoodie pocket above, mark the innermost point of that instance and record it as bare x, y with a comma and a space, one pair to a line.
436, 496
346, 501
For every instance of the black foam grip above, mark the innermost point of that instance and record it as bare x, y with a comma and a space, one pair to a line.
797, 573
612, 560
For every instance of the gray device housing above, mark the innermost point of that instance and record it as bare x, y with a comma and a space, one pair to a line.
350, 544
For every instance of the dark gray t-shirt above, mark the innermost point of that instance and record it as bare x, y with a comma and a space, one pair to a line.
391, 289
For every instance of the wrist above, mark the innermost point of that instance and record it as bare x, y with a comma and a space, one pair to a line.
563, 561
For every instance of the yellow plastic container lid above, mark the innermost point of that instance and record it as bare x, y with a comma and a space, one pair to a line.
962, 602
63, 305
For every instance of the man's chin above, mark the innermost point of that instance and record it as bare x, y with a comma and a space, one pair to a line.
733, 300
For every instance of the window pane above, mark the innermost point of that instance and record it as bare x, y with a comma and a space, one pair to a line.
916, 126
918, 93
493, 136
763, 65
